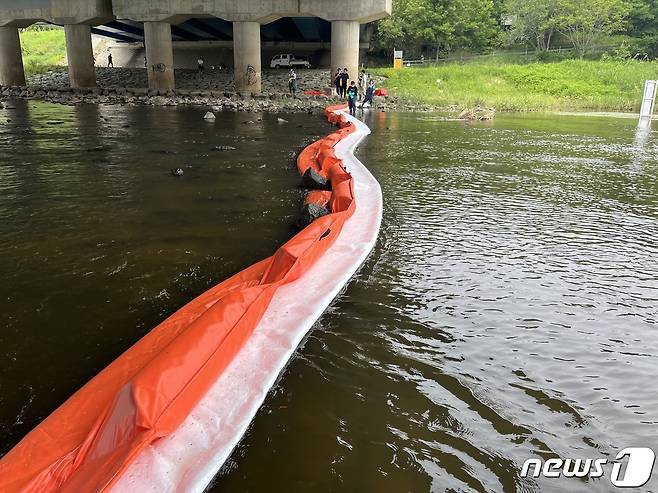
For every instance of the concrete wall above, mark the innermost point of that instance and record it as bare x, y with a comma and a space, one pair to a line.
180, 10
262, 11
22, 13
352, 10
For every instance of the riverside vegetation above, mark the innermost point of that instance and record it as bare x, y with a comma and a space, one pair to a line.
568, 85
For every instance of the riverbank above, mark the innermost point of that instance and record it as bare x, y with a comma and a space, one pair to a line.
214, 89
500, 84
568, 85
212, 100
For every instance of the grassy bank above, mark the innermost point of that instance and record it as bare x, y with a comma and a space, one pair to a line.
43, 50
568, 85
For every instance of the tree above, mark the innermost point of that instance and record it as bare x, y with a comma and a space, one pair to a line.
442, 24
533, 22
643, 26
584, 22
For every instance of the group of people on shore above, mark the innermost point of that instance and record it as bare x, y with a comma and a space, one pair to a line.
346, 88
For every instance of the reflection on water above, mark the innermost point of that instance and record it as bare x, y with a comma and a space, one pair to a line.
508, 311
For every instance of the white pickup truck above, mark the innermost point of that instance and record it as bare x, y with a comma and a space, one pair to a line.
289, 60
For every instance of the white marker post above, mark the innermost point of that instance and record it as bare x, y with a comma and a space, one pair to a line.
648, 102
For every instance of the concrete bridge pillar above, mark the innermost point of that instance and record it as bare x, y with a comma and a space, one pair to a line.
247, 58
80, 55
11, 59
345, 47
159, 56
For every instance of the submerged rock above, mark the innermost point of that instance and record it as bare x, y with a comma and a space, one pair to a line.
312, 179
177, 172
309, 213
95, 149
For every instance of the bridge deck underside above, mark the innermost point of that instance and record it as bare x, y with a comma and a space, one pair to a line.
289, 29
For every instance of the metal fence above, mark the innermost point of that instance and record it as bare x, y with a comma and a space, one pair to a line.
526, 53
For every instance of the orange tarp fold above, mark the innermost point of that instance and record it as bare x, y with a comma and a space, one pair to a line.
146, 393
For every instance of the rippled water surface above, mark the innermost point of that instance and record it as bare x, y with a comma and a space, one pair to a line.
99, 242
508, 312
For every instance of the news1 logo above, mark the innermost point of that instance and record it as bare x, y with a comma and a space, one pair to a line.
639, 467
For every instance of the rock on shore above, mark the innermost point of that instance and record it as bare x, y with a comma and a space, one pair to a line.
477, 114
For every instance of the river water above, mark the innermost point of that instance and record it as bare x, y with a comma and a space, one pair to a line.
508, 311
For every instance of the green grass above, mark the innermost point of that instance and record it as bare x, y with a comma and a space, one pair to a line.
568, 85
43, 50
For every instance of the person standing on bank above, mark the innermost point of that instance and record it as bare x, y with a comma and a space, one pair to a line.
352, 96
370, 94
110, 61
292, 82
337, 82
200, 62
344, 78
363, 82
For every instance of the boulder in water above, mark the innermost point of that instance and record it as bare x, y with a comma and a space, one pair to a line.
177, 172
309, 213
314, 180
209, 116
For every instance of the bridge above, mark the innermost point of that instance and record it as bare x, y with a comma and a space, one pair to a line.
160, 25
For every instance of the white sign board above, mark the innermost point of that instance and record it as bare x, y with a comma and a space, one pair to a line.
649, 99
397, 54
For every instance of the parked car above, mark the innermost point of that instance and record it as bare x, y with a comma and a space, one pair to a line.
288, 60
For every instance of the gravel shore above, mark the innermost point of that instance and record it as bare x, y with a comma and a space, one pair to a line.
214, 89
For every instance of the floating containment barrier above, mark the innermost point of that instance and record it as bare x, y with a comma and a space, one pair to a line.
168, 412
